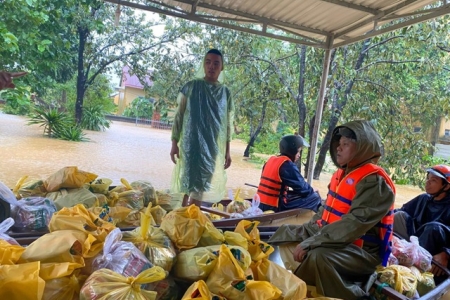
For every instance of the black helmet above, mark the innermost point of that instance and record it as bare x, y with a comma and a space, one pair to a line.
289, 144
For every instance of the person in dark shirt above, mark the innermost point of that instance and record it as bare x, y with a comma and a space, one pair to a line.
427, 216
282, 187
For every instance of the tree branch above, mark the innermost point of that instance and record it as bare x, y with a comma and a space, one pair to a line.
383, 42
388, 62
376, 84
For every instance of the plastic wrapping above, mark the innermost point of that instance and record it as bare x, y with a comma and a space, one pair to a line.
228, 279
147, 189
4, 227
68, 177
80, 219
21, 281
100, 185
32, 213
400, 278
72, 197
153, 242
237, 204
422, 258
185, 226
252, 211
107, 284
203, 124
10, 254
199, 290
64, 288
425, 281
197, 263
29, 187
411, 253
121, 257
257, 248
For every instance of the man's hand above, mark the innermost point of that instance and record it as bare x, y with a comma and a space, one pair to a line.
442, 259
7, 77
227, 160
175, 151
299, 254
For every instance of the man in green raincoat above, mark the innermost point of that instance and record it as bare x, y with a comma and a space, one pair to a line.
201, 134
338, 250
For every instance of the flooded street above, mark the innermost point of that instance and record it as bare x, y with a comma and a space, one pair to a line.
123, 151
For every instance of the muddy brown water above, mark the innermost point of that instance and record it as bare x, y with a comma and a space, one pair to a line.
122, 151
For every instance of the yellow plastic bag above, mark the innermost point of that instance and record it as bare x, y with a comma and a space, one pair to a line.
56, 270
257, 248
158, 213
238, 204
21, 281
400, 278
292, 287
106, 284
153, 242
9, 254
211, 236
219, 207
79, 218
199, 290
68, 177
228, 279
29, 187
117, 215
185, 226
71, 197
236, 239
64, 288
197, 263
425, 281
148, 191
194, 264
100, 185
66, 246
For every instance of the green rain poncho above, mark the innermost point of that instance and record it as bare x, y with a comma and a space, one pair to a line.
202, 128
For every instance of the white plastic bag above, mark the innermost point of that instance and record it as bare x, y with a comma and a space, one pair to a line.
121, 257
422, 258
4, 227
254, 210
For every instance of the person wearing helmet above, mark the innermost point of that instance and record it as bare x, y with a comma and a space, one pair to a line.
281, 186
338, 250
427, 216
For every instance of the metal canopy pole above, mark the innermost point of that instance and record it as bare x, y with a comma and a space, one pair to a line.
315, 134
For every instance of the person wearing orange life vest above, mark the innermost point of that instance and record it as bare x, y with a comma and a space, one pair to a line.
281, 186
427, 217
338, 250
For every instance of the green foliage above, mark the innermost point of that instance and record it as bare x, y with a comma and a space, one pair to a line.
94, 118
50, 119
140, 107
72, 132
17, 101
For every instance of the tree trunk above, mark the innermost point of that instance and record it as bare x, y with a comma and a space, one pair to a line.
337, 107
255, 134
301, 100
82, 76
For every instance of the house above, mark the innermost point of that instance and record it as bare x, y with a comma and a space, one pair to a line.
130, 88
442, 139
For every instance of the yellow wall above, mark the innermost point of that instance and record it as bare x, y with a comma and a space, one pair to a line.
126, 97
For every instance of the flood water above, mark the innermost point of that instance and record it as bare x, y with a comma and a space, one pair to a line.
122, 151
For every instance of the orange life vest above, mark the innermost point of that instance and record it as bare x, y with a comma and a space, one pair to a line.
269, 188
339, 200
